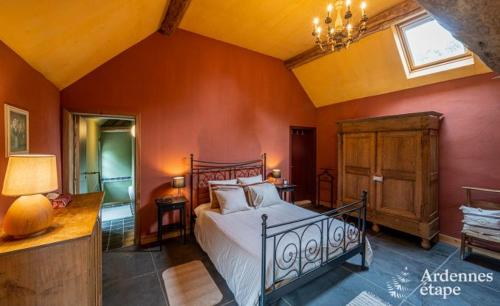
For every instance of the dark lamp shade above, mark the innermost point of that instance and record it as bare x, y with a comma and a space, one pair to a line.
276, 173
178, 182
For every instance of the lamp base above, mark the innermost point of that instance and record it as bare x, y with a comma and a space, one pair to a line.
28, 216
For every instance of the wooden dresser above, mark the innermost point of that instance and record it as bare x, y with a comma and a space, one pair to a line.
394, 158
60, 267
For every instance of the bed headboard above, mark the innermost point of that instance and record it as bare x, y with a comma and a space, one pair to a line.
203, 171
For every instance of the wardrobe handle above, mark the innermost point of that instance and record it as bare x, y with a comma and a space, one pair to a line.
378, 179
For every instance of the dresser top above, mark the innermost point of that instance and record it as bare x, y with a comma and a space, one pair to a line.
75, 221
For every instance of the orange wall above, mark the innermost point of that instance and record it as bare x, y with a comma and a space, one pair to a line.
469, 136
23, 87
193, 94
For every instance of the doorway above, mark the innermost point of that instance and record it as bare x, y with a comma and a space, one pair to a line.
303, 163
102, 159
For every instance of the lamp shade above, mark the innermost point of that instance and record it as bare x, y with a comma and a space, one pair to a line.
276, 173
30, 174
178, 182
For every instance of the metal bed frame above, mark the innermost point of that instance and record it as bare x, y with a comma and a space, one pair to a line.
304, 259
297, 258
203, 171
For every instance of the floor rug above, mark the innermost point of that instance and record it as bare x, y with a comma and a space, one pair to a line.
190, 284
116, 212
366, 298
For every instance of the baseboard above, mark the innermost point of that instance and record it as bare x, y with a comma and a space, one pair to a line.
151, 238
456, 242
450, 240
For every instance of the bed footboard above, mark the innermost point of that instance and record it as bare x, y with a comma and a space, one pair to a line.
302, 250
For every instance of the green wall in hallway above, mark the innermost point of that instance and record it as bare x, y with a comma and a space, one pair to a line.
116, 161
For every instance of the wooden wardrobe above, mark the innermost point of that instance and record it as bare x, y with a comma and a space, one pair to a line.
394, 158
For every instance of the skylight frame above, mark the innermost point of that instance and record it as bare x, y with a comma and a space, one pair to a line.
413, 70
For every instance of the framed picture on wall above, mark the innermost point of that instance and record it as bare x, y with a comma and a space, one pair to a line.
17, 133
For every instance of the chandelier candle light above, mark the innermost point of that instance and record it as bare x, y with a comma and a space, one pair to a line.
340, 34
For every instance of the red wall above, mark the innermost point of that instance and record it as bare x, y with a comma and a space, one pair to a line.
193, 94
23, 87
469, 135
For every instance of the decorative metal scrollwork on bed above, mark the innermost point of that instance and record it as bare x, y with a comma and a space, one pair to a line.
297, 251
303, 249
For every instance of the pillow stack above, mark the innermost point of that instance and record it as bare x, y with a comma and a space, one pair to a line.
242, 194
219, 185
482, 221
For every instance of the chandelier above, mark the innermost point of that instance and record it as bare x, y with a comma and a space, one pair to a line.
342, 33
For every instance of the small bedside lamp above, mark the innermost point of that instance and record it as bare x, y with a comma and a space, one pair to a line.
178, 182
28, 176
276, 174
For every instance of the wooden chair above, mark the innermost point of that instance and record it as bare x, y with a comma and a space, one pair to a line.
472, 240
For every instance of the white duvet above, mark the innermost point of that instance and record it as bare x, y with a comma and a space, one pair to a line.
233, 242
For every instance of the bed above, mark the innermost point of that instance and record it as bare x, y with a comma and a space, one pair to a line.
267, 252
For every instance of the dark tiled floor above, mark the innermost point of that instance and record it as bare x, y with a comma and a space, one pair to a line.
133, 277
118, 233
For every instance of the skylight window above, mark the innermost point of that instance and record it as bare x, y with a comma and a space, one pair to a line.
426, 47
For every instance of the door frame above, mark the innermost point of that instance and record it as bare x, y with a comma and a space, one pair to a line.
290, 168
69, 159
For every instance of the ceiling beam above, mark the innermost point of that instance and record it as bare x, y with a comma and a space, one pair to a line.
474, 22
173, 17
379, 22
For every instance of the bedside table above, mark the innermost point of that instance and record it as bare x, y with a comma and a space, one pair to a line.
284, 189
169, 204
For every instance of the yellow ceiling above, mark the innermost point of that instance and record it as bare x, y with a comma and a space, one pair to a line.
282, 29
66, 39
279, 28
369, 67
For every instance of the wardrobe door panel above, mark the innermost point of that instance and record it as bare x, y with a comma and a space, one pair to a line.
399, 164
358, 166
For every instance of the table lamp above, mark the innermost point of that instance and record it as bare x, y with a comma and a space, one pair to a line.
276, 174
178, 182
28, 176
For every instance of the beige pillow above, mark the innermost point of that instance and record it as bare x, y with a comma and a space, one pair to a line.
231, 200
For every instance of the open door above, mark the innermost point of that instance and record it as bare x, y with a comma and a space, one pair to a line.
70, 153
303, 162
99, 155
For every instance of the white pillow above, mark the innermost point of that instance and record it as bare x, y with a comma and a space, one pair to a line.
221, 182
231, 200
262, 195
250, 180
